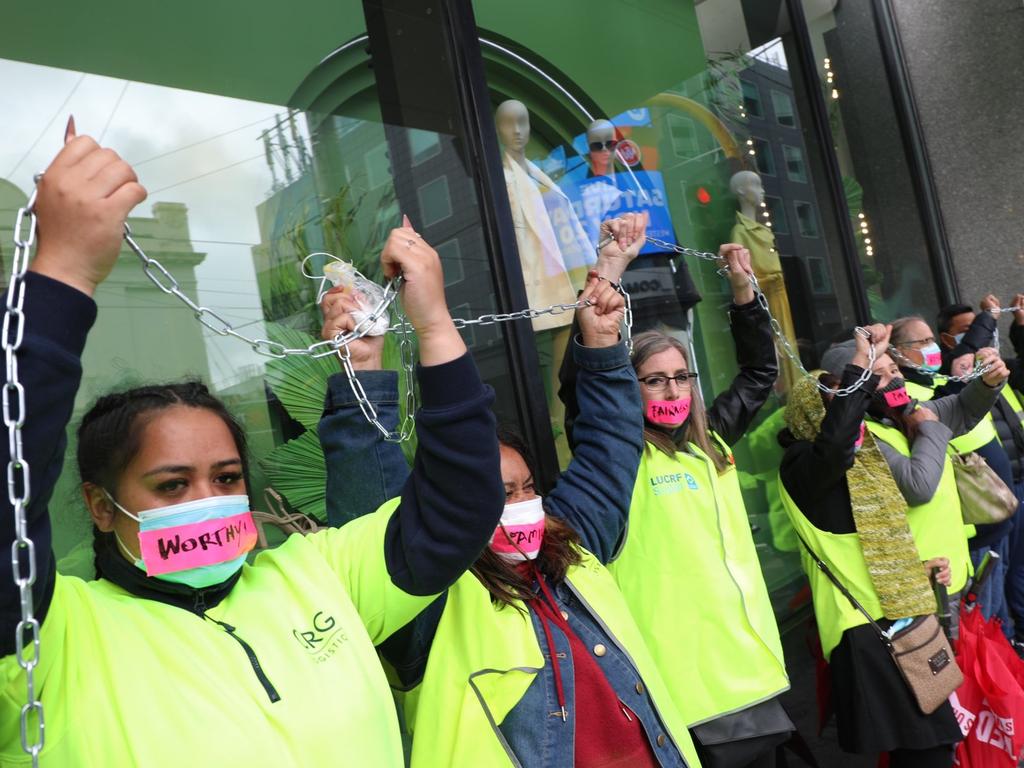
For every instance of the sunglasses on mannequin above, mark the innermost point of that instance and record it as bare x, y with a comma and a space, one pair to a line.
597, 146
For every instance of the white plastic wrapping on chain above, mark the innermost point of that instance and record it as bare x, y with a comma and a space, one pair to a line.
366, 293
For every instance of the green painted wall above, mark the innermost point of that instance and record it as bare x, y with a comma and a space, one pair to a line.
618, 52
257, 50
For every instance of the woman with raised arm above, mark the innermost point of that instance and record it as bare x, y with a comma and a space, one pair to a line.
532, 659
182, 653
870, 489
686, 563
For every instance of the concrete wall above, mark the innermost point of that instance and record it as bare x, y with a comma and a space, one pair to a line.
967, 72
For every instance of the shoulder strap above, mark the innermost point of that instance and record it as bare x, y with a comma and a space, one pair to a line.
846, 593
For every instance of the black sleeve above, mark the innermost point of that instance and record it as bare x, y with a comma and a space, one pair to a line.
454, 496
57, 321
979, 335
811, 472
733, 410
1016, 365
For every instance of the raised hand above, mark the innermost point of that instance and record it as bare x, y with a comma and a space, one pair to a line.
990, 304
878, 337
1018, 309
628, 234
599, 323
737, 259
998, 372
963, 365
83, 200
337, 305
422, 294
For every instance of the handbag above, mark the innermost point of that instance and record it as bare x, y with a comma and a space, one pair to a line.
984, 497
921, 651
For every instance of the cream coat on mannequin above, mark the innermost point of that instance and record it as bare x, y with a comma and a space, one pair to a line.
544, 270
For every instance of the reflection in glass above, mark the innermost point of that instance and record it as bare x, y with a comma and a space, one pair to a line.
895, 264
795, 168
752, 99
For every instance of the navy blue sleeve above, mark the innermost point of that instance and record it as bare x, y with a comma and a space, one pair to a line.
57, 321
363, 470
1016, 364
453, 499
595, 492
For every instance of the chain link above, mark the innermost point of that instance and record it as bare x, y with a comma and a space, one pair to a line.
905, 362
23, 551
781, 342
162, 278
407, 357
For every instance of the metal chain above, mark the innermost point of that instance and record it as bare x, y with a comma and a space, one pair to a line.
781, 342
23, 553
905, 362
405, 350
162, 278
166, 282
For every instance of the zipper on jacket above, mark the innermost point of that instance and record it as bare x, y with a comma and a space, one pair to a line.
272, 694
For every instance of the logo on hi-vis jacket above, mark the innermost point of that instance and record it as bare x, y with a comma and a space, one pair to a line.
324, 638
664, 485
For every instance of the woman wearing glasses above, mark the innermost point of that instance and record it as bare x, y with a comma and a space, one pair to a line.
686, 562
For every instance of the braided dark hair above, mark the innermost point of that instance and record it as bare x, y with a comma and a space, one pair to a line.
111, 431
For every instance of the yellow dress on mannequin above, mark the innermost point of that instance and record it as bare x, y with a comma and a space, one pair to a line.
759, 240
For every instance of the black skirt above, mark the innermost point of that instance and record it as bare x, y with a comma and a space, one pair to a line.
875, 710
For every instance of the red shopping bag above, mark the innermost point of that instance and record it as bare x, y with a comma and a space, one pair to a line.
990, 704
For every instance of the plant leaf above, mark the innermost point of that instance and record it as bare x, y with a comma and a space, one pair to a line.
299, 381
297, 471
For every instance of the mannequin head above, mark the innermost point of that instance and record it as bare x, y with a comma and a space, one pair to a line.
513, 123
746, 188
601, 144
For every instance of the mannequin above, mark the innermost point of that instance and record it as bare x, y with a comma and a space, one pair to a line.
554, 251
601, 132
746, 187
532, 196
596, 193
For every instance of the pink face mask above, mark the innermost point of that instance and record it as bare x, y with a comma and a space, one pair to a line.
521, 532
670, 413
894, 398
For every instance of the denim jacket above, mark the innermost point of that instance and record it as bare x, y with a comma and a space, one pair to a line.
592, 495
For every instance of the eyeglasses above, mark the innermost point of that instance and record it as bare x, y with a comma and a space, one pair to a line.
597, 146
658, 383
917, 343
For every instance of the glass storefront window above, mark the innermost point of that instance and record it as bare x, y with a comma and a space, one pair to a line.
795, 169
711, 145
783, 106
240, 191
886, 219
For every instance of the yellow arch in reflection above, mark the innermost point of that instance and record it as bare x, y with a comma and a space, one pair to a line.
702, 115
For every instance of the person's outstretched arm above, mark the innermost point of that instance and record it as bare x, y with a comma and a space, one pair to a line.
453, 498
83, 200
595, 492
363, 469
732, 411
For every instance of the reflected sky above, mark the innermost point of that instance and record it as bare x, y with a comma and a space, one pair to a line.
198, 149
